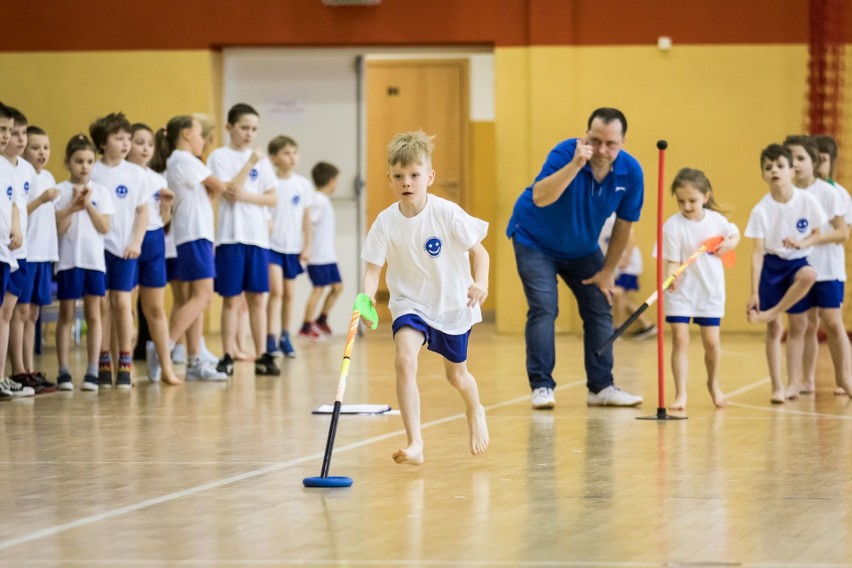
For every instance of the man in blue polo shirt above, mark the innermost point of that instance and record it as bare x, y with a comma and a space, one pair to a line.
554, 228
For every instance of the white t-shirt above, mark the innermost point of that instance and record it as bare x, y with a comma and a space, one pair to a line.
156, 182
774, 221
322, 220
701, 287
129, 188
8, 191
428, 264
24, 180
828, 259
41, 230
634, 262
294, 194
241, 222
192, 215
82, 246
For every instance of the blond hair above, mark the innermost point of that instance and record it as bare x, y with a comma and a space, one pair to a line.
207, 124
411, 147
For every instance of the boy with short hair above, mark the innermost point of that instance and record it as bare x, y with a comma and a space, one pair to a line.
322, 268
426, 242
784, 225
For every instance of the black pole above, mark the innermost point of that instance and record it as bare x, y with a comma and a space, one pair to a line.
332, 432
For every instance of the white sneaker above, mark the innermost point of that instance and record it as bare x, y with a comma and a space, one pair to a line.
154, 370
206, 355
16, 389
179, 354
204, 371
613, 396
543, 398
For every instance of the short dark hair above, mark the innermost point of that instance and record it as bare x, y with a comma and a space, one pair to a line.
35, 131
79, 142
279, 143
101, 129
826, 145
806, 142
238, 111
6, 112
775, 151
18, 117
607, 115
323, 173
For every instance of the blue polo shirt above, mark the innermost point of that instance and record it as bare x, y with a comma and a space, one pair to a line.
570, 226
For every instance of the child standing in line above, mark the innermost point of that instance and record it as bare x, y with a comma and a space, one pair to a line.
129, 189
784, 225
699, 293
426, 242
242, 239
152, 259
82, 219
322, 268
828, 259
290, 243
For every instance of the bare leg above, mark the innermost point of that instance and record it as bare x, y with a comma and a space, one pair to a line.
810, 352
106, 323
20, 315
408, 342
838, 346
186, 318
6, 312
287, 303
712, 354
257, 320
29, 337
804, 279
463, 381
153, 306
331, 299
273, 305
121, 305
230, 322
179, 295
63, 331
243, 352
774, 329
797, 323
680, 363
313, 300
94, 329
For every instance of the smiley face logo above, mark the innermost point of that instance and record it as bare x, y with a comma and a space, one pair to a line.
253, 174
27, 187
802, 225
9, 191
433, 246
296, 199
121, 191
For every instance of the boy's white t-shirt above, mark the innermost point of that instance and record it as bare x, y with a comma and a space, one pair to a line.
241, 222
428, 264
82, 246
634, 262
322, 219
24, 176
156, 182
41, 230
6, 199
828, 259
701, 287
192, 216
294, 194
774, 221
129, 188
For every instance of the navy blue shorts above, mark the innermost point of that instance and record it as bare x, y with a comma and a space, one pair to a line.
41, 274
776, 277
21, 281
827, 294
74, 283
241, 268
289, 263
152, 261
627, 281
324, 274
121, 273
703, 322
195, 261
172, 269
4, 280
452, 347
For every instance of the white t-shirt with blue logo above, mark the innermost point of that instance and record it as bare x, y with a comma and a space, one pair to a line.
82, 246
8, 191
24, 180
428, 264
241, 222
192, 215
829, 259
43, 243
129, 188
774, 221
294, 194
156, 182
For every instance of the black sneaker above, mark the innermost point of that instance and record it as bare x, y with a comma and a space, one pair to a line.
36, 381
104, 378
123, 381
226, 364
91, 383
265, 365
63, 382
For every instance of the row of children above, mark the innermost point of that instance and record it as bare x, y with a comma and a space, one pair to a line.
104, 229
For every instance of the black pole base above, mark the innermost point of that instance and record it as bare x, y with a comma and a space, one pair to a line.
661, 415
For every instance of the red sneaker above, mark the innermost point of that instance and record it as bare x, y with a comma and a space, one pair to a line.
311, 334
323, 328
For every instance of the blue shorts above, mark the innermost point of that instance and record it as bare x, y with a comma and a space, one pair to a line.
41, 274
776, 277
452, 347
241, 268
827, 294
172, 269
703, 322
21, 281
74, 283
195, 261
627, 281
121, 273
152, 261
324, 274
289, 263
4, 280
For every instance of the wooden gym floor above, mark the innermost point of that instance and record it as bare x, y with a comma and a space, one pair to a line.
211, 474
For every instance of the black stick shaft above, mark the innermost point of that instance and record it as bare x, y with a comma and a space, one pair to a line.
332, 432
622, 328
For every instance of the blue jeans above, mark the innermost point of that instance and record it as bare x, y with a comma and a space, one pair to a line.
538, 272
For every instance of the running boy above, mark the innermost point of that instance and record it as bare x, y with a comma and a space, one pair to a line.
426, 240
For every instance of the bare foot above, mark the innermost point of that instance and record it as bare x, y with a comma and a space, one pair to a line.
478, 431
779, 396
807, 388
242, 356
792, 392
718, 396
172, 380
413, 455
754, 316
844, 389
839, 391
678, 404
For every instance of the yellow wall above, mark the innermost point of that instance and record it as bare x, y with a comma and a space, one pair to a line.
717, 106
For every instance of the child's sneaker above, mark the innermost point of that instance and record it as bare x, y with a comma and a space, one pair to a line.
286, 346
36, 381
322, 327
123, 381
265, 365
309, 333
63, 382
226, 364
92, 382
153, 361
202, 371
206, 355
16, 388
179, 354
